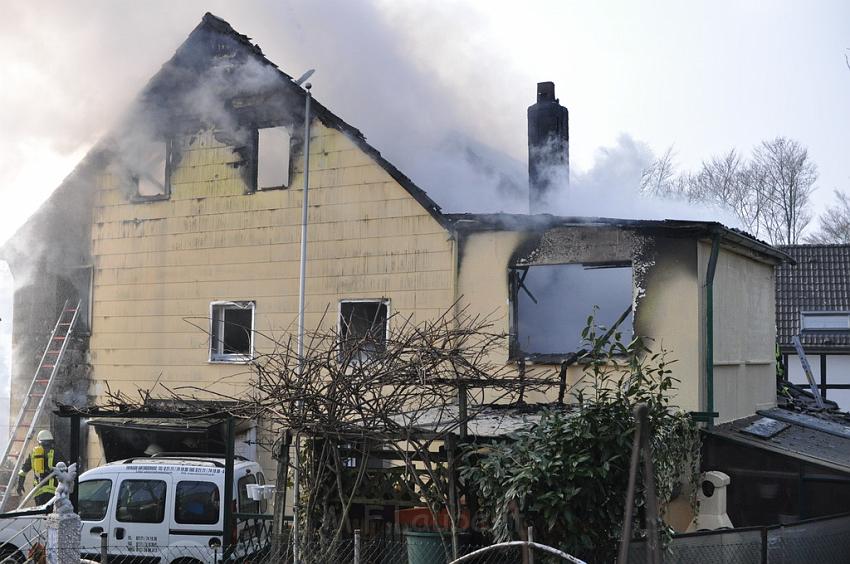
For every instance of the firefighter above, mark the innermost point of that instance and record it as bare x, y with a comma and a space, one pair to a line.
40, 461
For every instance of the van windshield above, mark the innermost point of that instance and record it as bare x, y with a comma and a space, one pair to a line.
94, 499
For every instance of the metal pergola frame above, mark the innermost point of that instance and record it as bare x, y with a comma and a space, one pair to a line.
215, 411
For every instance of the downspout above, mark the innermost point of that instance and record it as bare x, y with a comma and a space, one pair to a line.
709, 328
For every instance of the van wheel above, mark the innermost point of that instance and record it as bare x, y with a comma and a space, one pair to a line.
11, 555
186, 561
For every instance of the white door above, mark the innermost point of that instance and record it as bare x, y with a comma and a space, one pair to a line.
139, 525
96, 508
196, 522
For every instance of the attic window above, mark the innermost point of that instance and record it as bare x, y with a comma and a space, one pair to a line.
231, 331
152, 172
551, 304
273, 150
363, 328
825, 321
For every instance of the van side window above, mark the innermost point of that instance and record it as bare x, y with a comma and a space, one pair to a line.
197, 503
246, 504
94, 499
141, 501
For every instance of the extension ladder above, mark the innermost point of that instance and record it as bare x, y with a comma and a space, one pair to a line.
34, 403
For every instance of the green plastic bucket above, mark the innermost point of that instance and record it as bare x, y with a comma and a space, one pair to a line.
426, 547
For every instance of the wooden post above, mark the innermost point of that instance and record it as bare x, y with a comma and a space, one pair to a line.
281, 479
228, 485
75, 458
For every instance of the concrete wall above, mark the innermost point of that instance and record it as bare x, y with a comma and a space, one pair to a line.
159, 264
744, 333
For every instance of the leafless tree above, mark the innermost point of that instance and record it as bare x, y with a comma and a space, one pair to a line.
356, 399
769, 193
834, 222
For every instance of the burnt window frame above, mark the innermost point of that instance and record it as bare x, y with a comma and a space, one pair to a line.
169, 161
516, 284
343, 346
253, 150
216, 354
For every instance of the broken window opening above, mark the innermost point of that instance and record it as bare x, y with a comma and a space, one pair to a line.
152, 173
274, 148
362, 328
550, 305
231, 331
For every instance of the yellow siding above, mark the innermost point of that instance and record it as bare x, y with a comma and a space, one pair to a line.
158, 265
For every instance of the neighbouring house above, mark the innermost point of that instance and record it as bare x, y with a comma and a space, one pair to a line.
180, 233
813, 303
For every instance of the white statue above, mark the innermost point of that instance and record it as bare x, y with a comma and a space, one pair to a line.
65, 476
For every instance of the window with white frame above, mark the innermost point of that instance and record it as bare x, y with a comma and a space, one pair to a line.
825, 320
231, 331
363, 327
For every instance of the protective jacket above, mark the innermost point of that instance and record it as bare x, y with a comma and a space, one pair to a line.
40, 461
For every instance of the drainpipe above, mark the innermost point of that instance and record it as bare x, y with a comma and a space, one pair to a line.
709, 328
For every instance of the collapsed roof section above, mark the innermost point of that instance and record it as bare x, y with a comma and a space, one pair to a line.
743, 242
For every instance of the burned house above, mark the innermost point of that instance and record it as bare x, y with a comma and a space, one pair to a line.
184, 222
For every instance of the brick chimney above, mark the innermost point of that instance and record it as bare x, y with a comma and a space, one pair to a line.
548, 148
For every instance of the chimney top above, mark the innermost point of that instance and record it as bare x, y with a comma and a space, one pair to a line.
546, 92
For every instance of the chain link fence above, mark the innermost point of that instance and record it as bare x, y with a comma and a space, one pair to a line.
823, 540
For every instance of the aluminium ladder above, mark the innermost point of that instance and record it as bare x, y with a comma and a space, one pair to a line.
34, 403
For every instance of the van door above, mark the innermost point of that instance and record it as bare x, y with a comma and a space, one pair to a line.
139, 524
198, 516
95, 509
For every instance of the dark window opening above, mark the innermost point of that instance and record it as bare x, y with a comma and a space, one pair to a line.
363, 328
197, 503
274, 147
152, 172
141, 501
551, 304
232, 331
93, 499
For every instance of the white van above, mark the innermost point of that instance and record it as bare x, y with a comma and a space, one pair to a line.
162, 509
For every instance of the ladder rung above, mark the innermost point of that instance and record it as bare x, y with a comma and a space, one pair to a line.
48, 365
70, 309
42, 381
59, 338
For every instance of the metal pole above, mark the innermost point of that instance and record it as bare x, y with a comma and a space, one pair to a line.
296, 488
530, 540
356, 546
228, 486
104, 547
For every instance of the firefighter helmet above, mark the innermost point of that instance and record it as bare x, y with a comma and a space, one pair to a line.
45, 436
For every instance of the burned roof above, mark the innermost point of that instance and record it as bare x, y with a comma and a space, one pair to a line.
471, 222
818, 282
213, 37
823, 441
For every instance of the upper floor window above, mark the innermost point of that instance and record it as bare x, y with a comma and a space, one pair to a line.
363, 327
273, 157
152, 173
231, 331
825, 321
